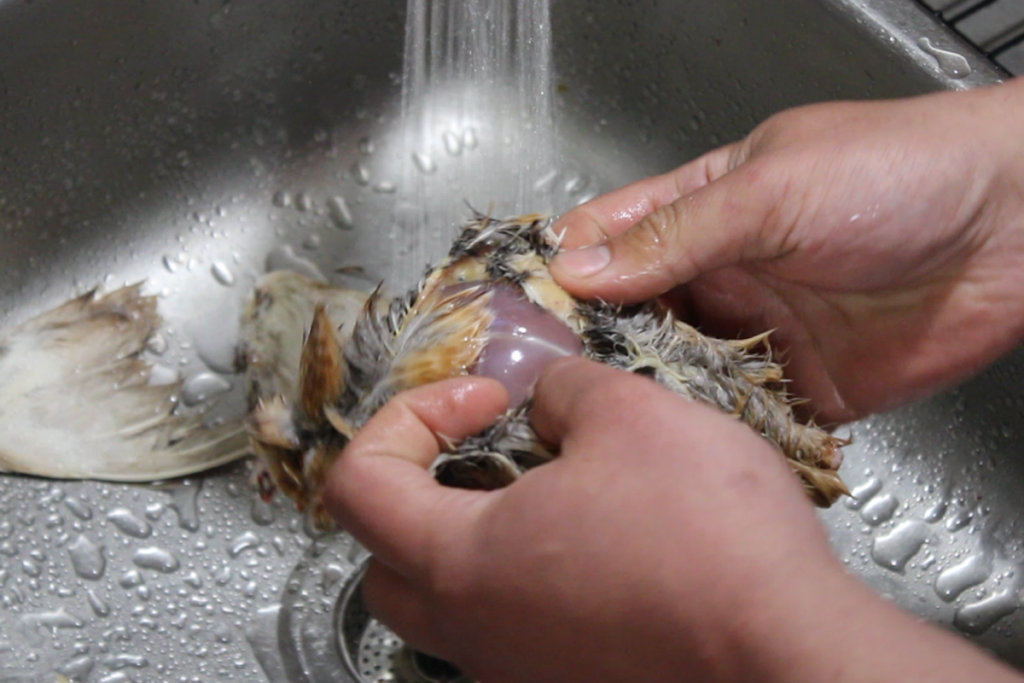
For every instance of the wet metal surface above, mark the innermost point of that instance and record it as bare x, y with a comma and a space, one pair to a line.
194, 145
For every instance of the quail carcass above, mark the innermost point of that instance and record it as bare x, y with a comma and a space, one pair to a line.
491, 308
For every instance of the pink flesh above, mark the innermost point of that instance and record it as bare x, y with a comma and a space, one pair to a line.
523, 340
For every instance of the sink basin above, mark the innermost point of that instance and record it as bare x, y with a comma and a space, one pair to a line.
195, 145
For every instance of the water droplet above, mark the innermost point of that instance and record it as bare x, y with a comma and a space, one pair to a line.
116, 662
155, 511
194, 580
202, 387
469, 138
60, 618
360, 174
385, 187
157, 344
312, 242
955, 580
185, 502
423, 163
337, 209
282, 199
99, 607
128, 523
262, 512
31, 568
87, 558
156, 558
223, 576
130, 579
304, 202
77, 669
78, 508
863, 493
366, 147
959, 520
952, 64
332, 574
284, 258
452, 143
116, 677
243, 542
978, 617
161, 375
880, 509
893, 550
222, 274
936, 512
222, 633
171, 263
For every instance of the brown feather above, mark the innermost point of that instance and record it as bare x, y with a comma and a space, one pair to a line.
321, 370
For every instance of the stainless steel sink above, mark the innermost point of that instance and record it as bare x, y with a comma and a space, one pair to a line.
194, 145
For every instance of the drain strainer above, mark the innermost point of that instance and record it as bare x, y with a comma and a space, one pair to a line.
326, 634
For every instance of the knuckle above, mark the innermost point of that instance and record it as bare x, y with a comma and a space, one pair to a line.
653, 232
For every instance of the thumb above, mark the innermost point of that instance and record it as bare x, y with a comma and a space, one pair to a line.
380, 489
738, 216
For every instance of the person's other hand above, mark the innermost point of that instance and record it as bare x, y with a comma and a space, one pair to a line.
884, 241
668, 542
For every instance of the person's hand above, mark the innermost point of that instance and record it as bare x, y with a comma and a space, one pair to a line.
884, 241
668, 542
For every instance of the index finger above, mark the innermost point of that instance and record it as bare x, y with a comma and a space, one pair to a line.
380, 489
617, 211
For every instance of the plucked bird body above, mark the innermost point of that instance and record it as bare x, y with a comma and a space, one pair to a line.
491, 308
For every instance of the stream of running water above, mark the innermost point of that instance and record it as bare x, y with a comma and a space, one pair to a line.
478, 124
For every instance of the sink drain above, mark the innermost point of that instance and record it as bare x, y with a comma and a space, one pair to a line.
326, 634
373, 653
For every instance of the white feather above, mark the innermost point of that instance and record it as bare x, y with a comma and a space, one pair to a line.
76, 399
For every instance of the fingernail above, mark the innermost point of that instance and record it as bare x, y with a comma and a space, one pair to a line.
585, 262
